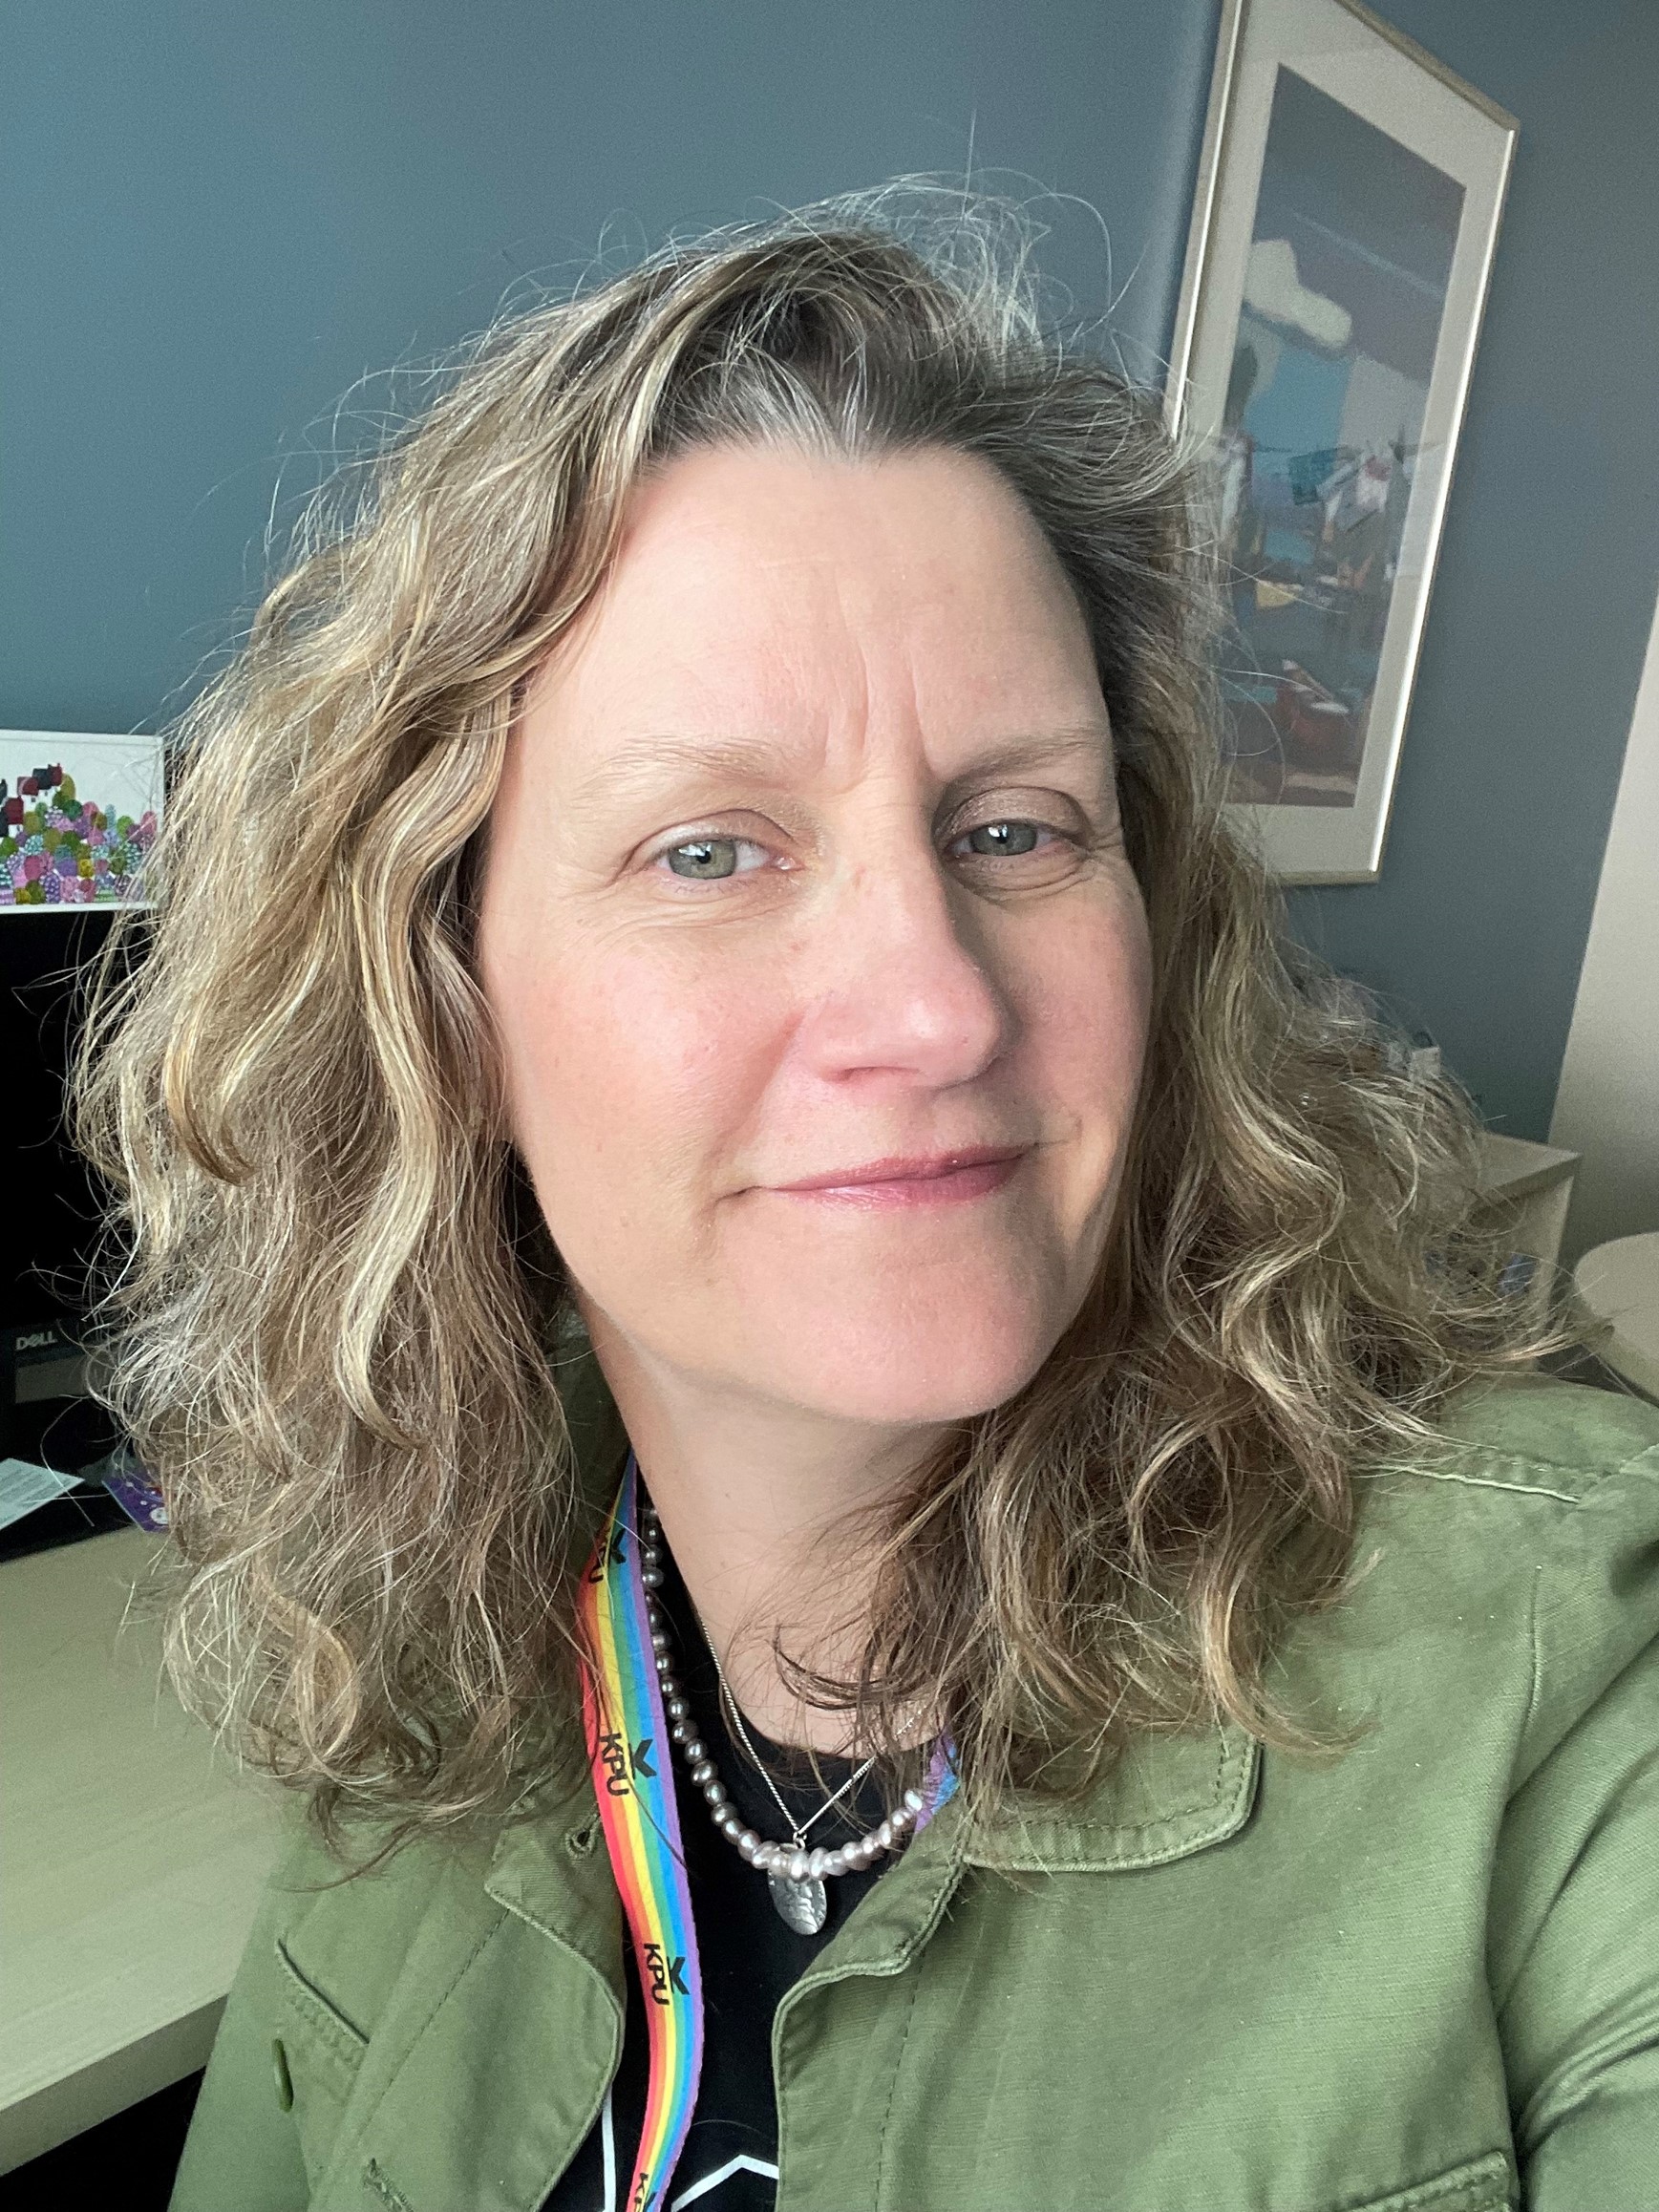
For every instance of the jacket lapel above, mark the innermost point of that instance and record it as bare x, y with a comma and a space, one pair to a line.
480, 2088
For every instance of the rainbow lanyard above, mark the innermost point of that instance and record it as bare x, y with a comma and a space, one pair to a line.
627, 1747
629, 1753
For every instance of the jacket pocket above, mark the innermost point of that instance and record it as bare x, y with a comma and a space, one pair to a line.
319, 2051
1485, 2185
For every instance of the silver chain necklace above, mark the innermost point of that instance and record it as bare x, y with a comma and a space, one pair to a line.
729, 1705
795, 1875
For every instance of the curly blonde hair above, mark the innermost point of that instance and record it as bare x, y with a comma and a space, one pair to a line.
338, 1330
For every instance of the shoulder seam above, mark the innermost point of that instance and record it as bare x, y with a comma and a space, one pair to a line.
1487, 1482
1591, 1474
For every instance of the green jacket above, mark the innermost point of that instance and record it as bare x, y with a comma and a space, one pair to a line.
1424, 1975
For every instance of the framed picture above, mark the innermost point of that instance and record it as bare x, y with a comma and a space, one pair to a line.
78, 814
1342, 236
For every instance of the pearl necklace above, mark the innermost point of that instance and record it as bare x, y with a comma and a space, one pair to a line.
795, 1875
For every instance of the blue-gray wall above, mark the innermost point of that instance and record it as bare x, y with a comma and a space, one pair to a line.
218, 217
223, 212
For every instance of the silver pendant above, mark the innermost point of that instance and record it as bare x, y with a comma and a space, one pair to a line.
803, 1905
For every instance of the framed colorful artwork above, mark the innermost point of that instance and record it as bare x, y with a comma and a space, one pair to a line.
78, 814
1342, 238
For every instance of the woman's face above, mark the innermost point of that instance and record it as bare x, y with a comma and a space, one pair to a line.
805, 882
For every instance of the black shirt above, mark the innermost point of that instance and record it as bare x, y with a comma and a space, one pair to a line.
748, 1959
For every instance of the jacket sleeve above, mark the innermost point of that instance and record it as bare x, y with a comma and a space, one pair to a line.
243, 2152
1574, 1951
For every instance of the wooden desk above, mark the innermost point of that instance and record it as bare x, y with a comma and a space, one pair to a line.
132, 1854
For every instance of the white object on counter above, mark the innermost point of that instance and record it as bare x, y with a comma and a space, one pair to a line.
1619, 1282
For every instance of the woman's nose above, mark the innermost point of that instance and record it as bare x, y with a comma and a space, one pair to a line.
897, 977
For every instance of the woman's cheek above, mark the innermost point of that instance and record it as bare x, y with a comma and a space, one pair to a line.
1084, 997
671, 1050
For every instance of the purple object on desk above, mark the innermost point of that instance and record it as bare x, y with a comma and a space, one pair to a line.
132, 1489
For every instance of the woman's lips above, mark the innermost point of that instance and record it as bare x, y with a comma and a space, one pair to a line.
945, 1181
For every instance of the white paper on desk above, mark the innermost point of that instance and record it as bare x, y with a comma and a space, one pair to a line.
23, 1486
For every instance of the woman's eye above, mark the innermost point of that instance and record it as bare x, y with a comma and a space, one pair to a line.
713, 860
1003, 840
707, 860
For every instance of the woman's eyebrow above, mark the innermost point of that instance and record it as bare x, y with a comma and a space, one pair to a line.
660, 759
1090, 743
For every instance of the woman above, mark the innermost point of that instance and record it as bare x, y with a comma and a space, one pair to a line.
834, 1417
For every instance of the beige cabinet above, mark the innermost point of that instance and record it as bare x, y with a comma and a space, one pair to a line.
1527, 1190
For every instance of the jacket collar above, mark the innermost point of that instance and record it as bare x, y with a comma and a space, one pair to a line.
1164, 1799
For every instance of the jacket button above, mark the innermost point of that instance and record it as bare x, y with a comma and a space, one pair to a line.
285, 2086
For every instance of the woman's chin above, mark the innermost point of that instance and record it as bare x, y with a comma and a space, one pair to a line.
912, 1377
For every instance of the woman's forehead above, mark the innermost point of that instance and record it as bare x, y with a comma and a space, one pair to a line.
762, 598
942, 518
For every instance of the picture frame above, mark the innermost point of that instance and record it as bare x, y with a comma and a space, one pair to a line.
79, 811
1343, 233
